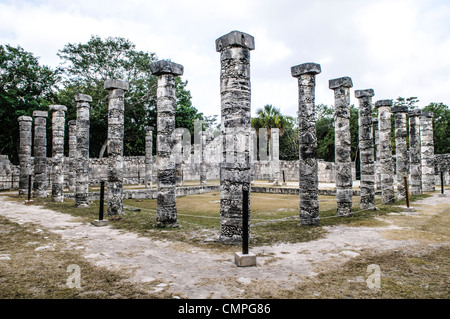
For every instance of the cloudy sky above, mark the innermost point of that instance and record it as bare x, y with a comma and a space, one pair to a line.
398, 48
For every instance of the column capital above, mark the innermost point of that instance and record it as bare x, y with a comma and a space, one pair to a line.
38, 113
112, 84
166, 67
414, 112
72, 122
82, 97
55, 108
343, 81
427, 114
235, 39
364, 93
374, 120
381, 103
25, 118
149, 128
399, 109
305, 68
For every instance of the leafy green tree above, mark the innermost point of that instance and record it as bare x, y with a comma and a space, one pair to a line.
325, 132
441, 127
25, 86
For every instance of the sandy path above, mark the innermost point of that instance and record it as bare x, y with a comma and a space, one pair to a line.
193, 272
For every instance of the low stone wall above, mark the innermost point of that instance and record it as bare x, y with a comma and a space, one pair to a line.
293, 191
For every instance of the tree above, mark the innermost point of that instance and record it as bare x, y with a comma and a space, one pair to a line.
25, 86
325, 132
441, 125
87, 66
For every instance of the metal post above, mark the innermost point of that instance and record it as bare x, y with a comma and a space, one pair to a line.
29, 187
407, 191
442, 182
102, 199
245, 194
284, 178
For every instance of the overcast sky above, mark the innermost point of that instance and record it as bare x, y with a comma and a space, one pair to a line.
398, 48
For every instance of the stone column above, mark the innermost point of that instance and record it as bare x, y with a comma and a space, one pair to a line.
427, 152
166, 211
40, 182
308, 166
235, 90
415, 167
377, 154
116, 108
25, 127
58, 124
72, 155
203, 166
276, 156
386, 165
401, 151
148, 156
342, 144
366, 151
82, 155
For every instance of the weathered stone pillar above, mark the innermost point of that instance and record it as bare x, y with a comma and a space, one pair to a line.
40, 182
82, 155
427, 152
342, 144
235, 90
116, 109
377, 154
415, 167
401, 151
203, 166
72, 155
308, 167
166, 72
58, 124
25, 127
148, 157
386, 164
366, 151
276, 156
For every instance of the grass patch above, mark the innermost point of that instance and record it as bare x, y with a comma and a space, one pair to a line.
37, 268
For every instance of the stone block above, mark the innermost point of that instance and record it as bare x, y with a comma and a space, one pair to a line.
245, 260
305, 68
364, 93
235, 39
381, 103
54, 108
166, 67
40, 113
343, 81
100, 223
82, 97
111, 84
25, 118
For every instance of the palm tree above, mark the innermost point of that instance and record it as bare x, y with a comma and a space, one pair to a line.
270, 117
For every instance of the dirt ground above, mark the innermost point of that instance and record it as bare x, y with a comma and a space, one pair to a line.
192, 272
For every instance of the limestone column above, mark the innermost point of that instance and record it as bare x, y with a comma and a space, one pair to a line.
25, 127
308, 166
203, 166
377, 154
72, 155
401, 151
427, 152
415, 167
342, 144
148, 156
166, 211
386, 167
82, 155
116, 109
276, 156
235, 90
366, 150
58, 124
40, 182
